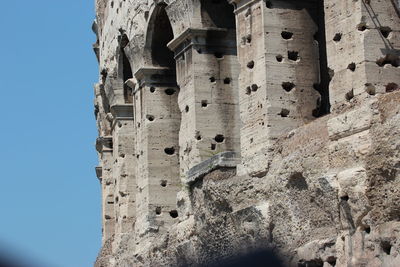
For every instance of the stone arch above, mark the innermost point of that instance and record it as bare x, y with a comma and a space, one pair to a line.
159, 34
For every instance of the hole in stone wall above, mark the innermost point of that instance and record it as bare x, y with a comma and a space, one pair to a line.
164, 183
107, 217
293, 55
344, 198
385, 31
198, 136
152, 89
352, 66
212, 79
349, 95
279, 58
213, 146
393, 60
219, 55
254, 87
287, 35
337, 37
227, 80
268, 4
204, 103
158, 211
170, 91
173, 214
112, 4
370, 89
331, 260
362, 27
297, 181
288, 86
386, 247
169, 150
367, 229
248, 38
150, 117
250, 65
391, 87
284, 113
219, 138
187, 109
248, 90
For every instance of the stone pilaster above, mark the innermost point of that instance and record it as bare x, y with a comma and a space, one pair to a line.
363, 49
157, 120
104, 146
124, 168
279, 66
207, 74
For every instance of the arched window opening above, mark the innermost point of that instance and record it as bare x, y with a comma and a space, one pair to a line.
126, 69
217, 13
162, 34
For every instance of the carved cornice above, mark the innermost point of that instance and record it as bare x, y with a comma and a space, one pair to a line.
209, 40
104, 144
157, 76
241, 4
99, 173
122, 112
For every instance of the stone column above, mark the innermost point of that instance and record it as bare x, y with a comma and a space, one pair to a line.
157, 120
124, 169
363, 49
104, 146
279, 66
207, 74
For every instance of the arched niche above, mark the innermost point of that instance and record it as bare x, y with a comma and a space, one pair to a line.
124, 67
159, 34
217, 14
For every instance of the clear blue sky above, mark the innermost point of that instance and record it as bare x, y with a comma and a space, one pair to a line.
49, 196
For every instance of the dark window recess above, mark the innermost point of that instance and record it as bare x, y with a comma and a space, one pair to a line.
126, 70
162, 35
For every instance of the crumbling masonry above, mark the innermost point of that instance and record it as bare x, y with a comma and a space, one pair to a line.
230, 126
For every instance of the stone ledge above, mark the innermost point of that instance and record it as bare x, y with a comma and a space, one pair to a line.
99, 173
227, 159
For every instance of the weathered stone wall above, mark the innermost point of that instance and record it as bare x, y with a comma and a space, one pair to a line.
227, 127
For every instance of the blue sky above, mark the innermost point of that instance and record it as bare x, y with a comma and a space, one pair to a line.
50, 210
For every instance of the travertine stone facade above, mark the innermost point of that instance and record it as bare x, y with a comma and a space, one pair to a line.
231, 126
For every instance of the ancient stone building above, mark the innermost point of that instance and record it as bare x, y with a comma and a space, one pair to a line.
232, 126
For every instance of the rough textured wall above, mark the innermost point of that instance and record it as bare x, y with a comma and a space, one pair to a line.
227, 128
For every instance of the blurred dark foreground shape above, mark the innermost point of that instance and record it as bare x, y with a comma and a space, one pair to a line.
261, 258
